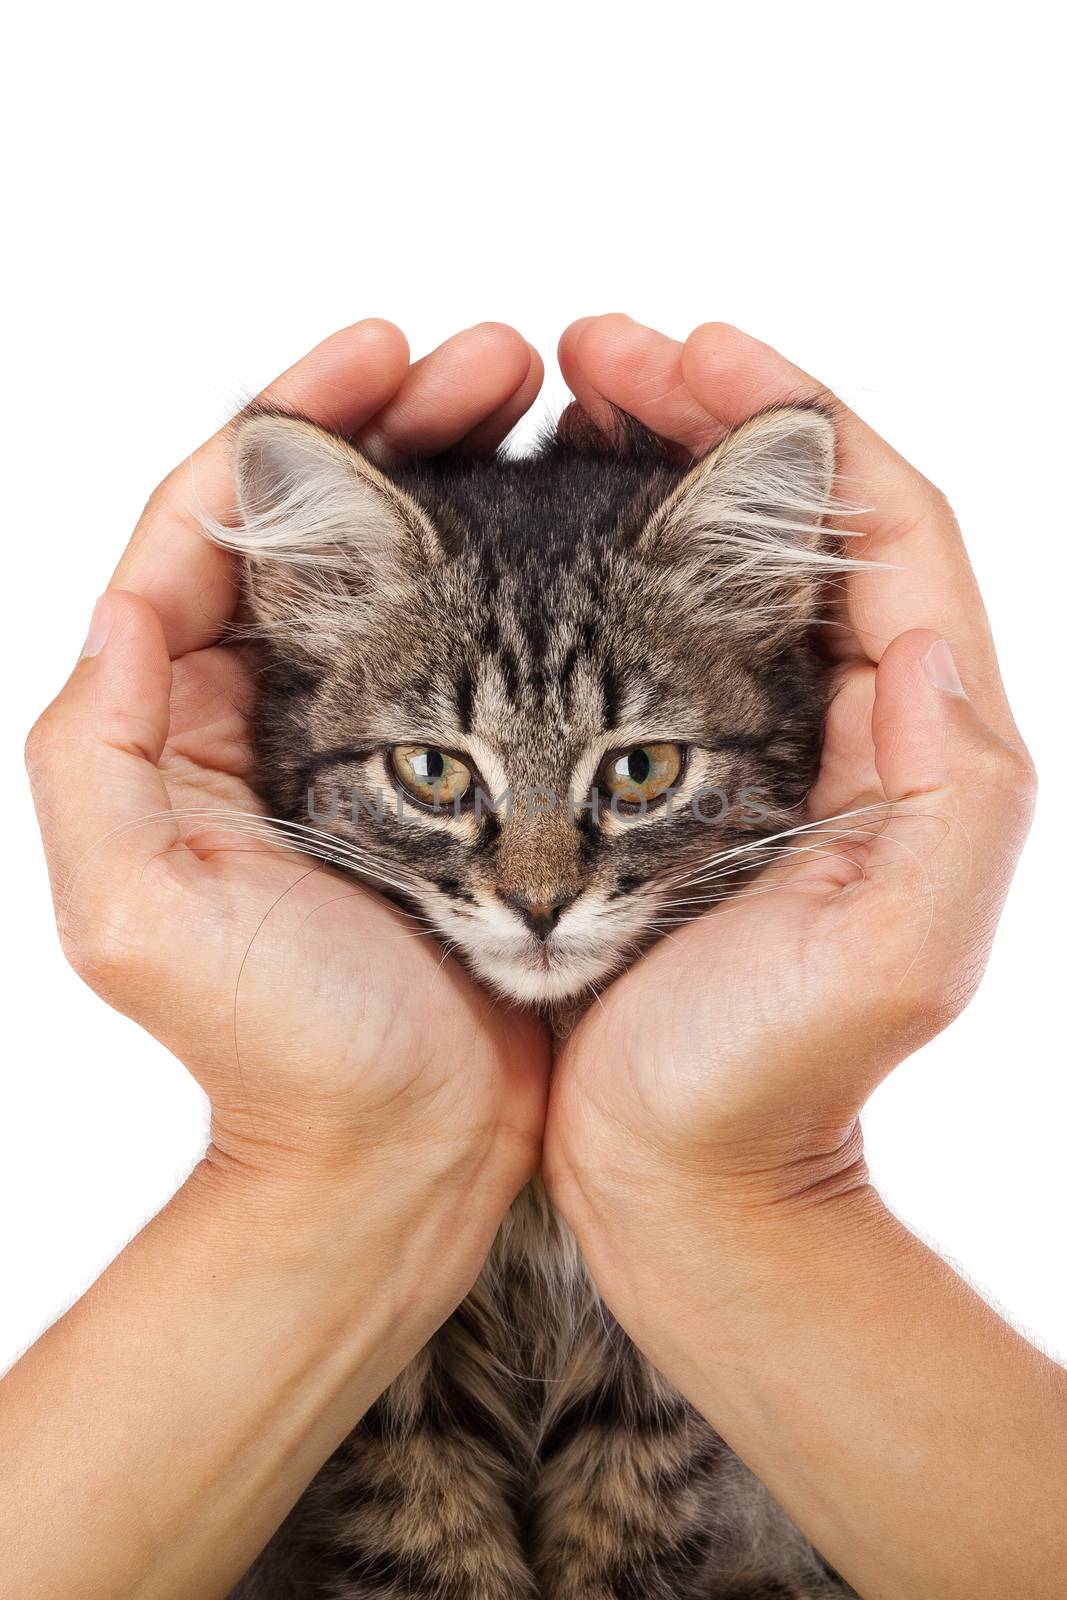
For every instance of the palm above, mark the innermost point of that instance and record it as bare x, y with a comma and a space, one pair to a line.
756, 967
292, 953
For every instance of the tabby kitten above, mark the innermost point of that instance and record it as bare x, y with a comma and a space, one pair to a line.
531, 699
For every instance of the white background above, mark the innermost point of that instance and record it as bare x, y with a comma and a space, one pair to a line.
201, 192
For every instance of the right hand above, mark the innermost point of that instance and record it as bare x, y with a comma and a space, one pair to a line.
730, 1064
323, 1026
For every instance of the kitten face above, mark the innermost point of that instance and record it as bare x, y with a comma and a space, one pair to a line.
532, 699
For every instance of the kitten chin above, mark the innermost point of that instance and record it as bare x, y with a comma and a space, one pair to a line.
554, 981
595, 939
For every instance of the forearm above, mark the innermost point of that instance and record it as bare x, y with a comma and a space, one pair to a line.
155, 1437
918, 1440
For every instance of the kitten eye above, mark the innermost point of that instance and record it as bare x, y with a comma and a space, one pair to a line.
431, 776
642, 774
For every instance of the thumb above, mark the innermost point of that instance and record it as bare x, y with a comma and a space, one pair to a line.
962, 796
928, 734
92, 755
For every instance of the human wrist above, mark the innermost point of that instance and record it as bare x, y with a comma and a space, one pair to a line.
629, 1182
379, 1238
742, 1209
714, 1295
240, 1336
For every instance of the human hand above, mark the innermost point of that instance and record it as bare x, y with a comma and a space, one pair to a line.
731, 1062
321, 1023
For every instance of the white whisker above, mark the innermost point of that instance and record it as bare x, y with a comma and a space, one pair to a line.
691, 874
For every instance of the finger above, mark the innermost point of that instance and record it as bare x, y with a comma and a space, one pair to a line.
962, 801
927, 731
491, 433
613, 361
910, 526
733, 376
934, 859
961, 796
846, 767
211, 704
189, 581
575, 422
568, 341
594, 408
727, 377
92, 757
450, 392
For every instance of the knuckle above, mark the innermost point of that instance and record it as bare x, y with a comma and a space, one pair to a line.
934, 997
1008, 770
169, 501
1024, 775
931, 504
112, 930
160, 497
39, 741
949, 996
106, 951
938, 501
930, 973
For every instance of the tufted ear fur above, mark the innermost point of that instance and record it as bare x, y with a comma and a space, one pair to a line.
323, 533
744, 529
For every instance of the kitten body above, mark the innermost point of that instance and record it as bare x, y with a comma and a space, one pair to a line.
563, 631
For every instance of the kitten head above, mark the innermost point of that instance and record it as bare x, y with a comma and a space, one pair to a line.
533, 698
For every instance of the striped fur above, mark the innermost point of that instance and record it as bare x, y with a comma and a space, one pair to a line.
534, 615
532, 1451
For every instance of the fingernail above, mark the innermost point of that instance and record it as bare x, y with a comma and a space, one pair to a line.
99, 628
941, 669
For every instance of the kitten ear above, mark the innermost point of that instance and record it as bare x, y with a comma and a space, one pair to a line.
324, 534
744, 527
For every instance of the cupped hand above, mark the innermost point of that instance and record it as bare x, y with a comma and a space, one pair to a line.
736, 1055
321, 1023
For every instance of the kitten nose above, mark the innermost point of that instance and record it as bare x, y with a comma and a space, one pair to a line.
541, 916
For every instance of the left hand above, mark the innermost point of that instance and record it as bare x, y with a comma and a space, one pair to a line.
730, 1064
274, 981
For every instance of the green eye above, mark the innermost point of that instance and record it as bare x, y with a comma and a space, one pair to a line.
641, 774
431, 776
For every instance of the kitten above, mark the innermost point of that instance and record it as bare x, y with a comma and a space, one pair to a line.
531, 699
